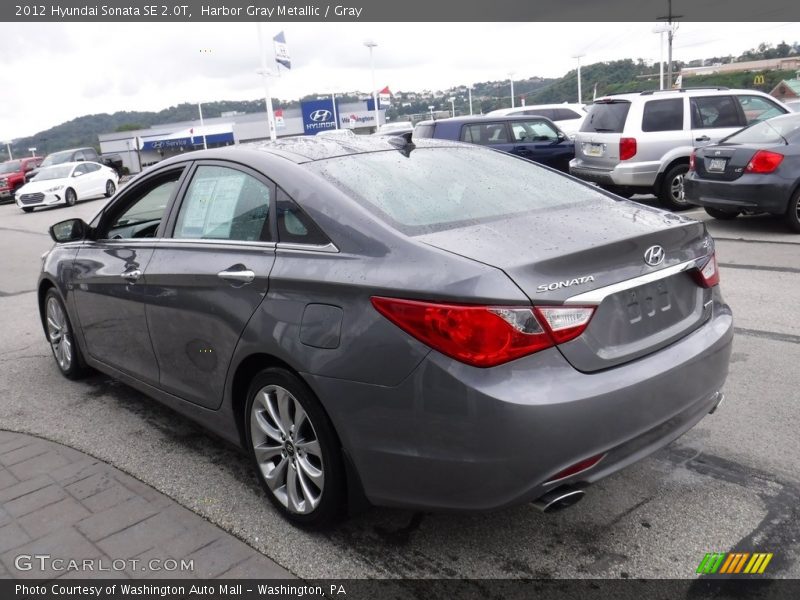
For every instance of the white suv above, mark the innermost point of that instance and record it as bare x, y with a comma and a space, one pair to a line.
640, 143
568, 117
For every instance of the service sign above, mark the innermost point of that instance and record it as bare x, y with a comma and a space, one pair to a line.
317, 116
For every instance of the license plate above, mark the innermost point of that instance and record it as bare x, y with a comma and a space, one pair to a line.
593, 149
717, 164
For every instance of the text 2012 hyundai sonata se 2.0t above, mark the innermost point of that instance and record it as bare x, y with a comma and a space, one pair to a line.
433, 325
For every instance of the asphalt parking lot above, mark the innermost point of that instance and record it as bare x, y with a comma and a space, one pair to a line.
731, 483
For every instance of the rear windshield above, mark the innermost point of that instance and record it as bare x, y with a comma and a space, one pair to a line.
443, 188
607, 117
772, 131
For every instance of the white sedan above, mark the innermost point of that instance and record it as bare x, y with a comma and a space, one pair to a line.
66, 184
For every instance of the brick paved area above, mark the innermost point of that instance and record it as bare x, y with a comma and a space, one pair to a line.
60, 502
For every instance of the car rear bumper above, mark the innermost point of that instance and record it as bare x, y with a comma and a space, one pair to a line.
634, 174
758, 194
457, 437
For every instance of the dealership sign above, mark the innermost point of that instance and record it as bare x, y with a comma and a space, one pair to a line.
317, 116
359, 118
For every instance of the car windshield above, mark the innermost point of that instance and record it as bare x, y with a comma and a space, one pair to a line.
771, 131
56, 158
9, 167
433, 189
53, 173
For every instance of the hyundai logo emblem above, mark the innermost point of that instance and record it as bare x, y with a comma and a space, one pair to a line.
320, 115
654, 255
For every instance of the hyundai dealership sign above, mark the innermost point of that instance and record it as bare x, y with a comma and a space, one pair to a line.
358, 118
317, 116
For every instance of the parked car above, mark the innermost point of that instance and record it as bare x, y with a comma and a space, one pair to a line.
568, 117
113, 161
67, 183
12, 175
535, 138
794, 105
414, 324
640, 143
754, 170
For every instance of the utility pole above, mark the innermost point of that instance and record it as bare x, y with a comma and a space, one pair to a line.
469, 89
579, 56
370, 44
670, 36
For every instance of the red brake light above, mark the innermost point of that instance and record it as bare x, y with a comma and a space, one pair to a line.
484, 336
707, 276
692, 158
627, 148
764, 161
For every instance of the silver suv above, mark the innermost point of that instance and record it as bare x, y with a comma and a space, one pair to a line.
640, 143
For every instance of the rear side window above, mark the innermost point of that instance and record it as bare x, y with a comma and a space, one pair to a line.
607, 117
433, 189
485, 133
663, 115
224, 204
540, 112
709, 112
423, 131
295, 226
565, 114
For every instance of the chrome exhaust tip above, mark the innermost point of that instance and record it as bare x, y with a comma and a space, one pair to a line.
559, 499
719, 400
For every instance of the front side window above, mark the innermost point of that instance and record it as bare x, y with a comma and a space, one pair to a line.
533, 131
663, 115
143, 212
224, 204
715, 111
758, 108
485, 133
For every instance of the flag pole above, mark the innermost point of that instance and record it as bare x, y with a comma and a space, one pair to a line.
265, 73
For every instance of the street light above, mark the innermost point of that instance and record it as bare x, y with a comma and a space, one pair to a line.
453, 105
430, 108
469, 89
32, 151
8, 147
579, 56
370, 44
511, 79
661, 29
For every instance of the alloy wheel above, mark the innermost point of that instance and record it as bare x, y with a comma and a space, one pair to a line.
287, 449
676, 189
58, 334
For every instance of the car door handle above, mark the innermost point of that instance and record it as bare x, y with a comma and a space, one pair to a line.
238, 276
132, 276
704, 138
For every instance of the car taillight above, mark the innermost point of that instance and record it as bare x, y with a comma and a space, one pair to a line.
764, 161
707, 276
484, 336
692, 159
627, 148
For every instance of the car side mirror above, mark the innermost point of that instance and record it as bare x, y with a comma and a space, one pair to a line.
71, 230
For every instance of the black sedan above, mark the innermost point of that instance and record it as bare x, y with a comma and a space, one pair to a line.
755, 170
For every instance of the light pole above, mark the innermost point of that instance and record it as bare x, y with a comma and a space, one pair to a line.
661, 30
8, 148
32, 151
579, 56
370, 44
266, 74
452, 105
511, 79
469, 90
202, 126
430, 108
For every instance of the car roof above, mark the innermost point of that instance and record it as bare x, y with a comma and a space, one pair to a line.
304, 149
485, 119
72, 164
689, 92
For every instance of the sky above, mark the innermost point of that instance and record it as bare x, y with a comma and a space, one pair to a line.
54, 72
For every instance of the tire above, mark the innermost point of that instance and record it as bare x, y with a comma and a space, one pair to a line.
110, 188
722, 215
793, 213
670, 191
294, 449
27, 208
66, 351
70, 197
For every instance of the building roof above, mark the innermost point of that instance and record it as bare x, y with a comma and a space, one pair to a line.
792, 84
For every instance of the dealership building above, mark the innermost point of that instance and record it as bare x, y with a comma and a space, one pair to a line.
143, 147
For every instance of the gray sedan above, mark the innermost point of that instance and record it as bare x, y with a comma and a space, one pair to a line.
434, 325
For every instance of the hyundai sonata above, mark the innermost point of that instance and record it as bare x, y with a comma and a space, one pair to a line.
435, 325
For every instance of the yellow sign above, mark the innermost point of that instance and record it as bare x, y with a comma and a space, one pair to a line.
758, 80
